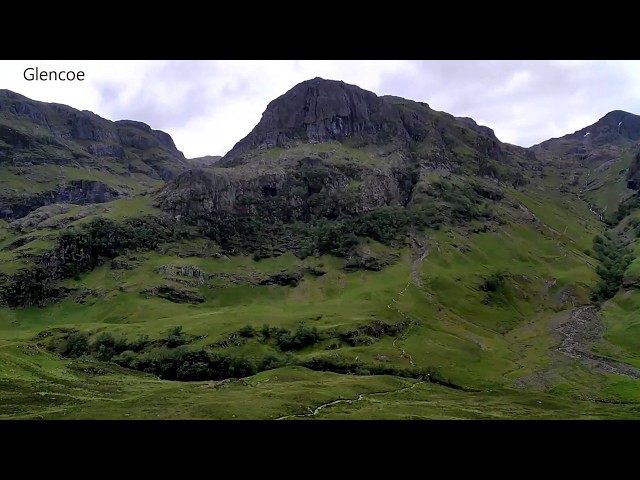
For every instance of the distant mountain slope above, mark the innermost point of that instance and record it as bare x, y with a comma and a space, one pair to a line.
204, 162
598, 142
594, 161
51, 153
320, 111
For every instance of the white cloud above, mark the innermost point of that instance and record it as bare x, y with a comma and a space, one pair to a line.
207, 106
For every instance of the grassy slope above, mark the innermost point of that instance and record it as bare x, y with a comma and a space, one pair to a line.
607, 185
40, 178
487, 347
42, 239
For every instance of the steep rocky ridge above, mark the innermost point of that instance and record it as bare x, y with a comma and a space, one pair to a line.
52, 153
327, 148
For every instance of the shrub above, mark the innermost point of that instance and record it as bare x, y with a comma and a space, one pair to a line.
75, 345
303, 337
175, 337
246, 331
105, 346
265, 331
493, 283
271, 361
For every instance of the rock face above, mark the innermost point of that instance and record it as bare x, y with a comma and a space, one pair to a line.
321, 110
326, 148
283, 279
79, 192
174, 294
72, 156
42, 132
304, 189
481, 129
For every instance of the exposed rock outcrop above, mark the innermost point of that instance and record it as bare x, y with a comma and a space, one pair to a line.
79, 192
174, 294
79, 144
283, 279
293, 191
481, 129
348, 151
318, 111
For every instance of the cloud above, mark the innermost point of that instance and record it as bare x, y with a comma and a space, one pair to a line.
209, 105
525, 102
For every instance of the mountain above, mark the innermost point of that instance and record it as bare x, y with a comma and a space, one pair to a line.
481, 129
354, 256
51, 153
605, 141
326, 148
204, 162
615, 129
597, 158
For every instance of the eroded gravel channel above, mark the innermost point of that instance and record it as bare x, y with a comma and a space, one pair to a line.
579, 333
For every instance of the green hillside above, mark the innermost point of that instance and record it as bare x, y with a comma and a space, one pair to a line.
416, 270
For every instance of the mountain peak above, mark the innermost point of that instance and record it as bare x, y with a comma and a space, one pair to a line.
481, 129
320, 110
616, 123
4, 93
616, 128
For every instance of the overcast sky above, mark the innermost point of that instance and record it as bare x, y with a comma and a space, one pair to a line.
209, 105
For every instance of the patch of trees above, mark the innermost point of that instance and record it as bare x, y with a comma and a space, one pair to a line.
302, 337
614, 258
463, 202
345, 367
634, 224
81, 250
104, 345
625, 208
171, 357
338, 237
184, 364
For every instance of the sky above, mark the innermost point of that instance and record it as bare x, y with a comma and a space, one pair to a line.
209, 105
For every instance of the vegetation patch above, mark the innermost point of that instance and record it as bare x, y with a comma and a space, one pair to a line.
615, 257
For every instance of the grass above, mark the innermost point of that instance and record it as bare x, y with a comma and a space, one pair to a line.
608, 186
38, 385
497, 344
40, 178
481, 346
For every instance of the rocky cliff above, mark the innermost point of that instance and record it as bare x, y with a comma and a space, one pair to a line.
53, 153
78, 192
327, 148
317, 111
